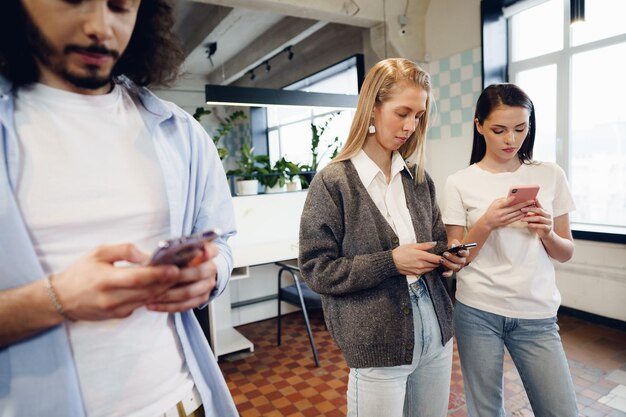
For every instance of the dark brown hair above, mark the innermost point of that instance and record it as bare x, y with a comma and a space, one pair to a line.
492, 97
153, 56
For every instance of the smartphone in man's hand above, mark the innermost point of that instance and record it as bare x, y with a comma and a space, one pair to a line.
182, 250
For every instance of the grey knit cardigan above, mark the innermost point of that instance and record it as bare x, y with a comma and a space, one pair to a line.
345, 256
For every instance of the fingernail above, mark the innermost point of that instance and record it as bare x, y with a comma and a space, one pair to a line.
432, 243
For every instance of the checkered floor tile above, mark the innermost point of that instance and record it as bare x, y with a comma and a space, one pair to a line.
282, 381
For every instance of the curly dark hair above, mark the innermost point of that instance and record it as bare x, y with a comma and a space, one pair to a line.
153, 56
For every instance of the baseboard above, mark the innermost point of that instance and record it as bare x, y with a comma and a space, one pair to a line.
594, 318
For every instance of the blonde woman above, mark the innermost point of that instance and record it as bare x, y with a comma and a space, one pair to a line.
368, 234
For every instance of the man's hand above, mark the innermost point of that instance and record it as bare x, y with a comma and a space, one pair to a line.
194, 286
94, 289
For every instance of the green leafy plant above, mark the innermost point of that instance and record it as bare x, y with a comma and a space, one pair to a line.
294, 170
317, 131
248, 166
272, 175
225, 127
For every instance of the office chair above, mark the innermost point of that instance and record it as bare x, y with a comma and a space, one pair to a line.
298, 294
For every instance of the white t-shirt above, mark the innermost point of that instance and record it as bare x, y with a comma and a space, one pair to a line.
89, 175
389, 198
512, 275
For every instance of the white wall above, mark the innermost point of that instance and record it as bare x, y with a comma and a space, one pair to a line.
452, 26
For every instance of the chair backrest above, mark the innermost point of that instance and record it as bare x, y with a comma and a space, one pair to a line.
290, 293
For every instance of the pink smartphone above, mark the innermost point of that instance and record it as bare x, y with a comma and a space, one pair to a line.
523, 193
182, 250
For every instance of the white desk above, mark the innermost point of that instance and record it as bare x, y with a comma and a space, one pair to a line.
267, 231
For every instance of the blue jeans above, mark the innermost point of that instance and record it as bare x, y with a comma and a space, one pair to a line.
535, 347
420, 389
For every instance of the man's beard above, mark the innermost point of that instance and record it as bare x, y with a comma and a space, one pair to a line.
44, 51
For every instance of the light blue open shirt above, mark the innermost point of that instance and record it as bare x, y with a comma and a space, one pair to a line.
37, 375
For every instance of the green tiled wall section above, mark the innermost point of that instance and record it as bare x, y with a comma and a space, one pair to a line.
457, 83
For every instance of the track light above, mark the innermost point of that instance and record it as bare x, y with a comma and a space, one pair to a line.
266, 63
577, 11
211, 47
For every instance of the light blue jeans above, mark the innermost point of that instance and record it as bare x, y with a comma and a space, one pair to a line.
535, 347
420, 389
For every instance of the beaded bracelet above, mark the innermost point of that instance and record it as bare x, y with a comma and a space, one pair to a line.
52, 295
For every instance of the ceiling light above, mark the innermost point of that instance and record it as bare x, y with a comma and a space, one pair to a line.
577, 11
266, 97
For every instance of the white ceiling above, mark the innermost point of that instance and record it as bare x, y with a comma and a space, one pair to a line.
234, 32
247, 37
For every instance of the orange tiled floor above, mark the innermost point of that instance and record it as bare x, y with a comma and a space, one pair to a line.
283, 381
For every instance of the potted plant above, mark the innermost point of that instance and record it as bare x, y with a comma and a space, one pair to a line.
274, 177
247, 172
224, 129
294, 171
317, 131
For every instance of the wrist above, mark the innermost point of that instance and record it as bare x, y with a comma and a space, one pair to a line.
550, 236
484, 225
53, 298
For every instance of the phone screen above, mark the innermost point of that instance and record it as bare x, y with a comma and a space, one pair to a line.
182, 250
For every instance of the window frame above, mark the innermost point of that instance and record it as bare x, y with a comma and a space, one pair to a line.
356, 61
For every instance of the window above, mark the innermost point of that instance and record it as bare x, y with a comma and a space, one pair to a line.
574, 75
289, 128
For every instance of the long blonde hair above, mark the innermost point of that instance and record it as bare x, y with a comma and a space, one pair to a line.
377, 88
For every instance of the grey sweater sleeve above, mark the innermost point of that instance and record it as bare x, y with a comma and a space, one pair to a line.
326, 220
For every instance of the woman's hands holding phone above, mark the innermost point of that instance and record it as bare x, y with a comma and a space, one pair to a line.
537, 219
415, 259
501, 213
454, 260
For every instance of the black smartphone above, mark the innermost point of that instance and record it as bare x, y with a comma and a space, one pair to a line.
456, 249
180, 251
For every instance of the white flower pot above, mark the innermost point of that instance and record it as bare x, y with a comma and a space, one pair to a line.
276, 189
294, 185
247, 187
